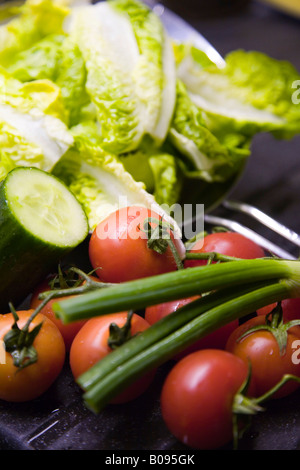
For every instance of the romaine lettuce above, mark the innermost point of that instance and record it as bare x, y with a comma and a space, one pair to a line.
130, 71
158, 169
252, 93
37, 19
155, 74
206, 157
39, 61
33, 132
99, 180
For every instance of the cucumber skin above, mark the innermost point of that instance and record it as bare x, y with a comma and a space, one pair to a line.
24, 259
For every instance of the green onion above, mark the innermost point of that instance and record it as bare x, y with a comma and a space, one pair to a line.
231, 290
175, 285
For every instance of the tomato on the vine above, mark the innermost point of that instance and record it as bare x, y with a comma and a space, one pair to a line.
91, 345
226, 243
197, 398
119, 250
216, 340
28, 383
68, 330
268, 363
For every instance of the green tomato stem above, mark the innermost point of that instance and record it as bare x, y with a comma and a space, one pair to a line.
266, 396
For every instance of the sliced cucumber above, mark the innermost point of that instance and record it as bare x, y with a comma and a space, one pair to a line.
40, 222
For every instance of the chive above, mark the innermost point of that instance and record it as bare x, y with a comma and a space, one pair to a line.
175, 285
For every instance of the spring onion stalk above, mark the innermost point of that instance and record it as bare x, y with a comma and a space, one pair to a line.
175, 285
158, 331
108, 383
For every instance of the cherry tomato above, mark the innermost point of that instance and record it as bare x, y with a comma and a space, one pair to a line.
291, 309
226, 243
197, 397
154, 313
118, 247
91, 345
267, 364
265, 310
216, 340
20, 385
69, 330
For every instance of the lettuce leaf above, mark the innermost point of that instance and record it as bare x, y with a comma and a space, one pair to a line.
252, 93
37, 19
130, 71
205, 155
155, 74
33, 132
99, 180
71, 78
58, 59
108, 46
158, 169
39, 61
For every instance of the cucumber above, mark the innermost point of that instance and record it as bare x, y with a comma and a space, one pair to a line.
41, 221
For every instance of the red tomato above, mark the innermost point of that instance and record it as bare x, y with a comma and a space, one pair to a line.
267, 365
118, 248
266, 310
91, 345
216, 340
69, 330
291, 309
226, 243
20, 385
154, 313
197, 397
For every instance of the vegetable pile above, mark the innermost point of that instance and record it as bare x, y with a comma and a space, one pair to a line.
116, 332
102, 97
103, 120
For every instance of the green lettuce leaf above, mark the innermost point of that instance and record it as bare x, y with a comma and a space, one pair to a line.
155, 74
32, 128
58, 59
99, 180
252, 93
127, 56
37, 19
71, 78
205, 155
39, 61
159, 170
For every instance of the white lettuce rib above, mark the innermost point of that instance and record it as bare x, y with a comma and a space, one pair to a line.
45, 131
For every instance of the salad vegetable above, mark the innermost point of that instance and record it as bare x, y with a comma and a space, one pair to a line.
159, 115
101, 111
99, 337
40, 222
22, 377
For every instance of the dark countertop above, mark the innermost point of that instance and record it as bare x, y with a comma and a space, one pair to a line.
271, 181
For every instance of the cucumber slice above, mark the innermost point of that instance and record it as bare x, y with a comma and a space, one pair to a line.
40, 222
